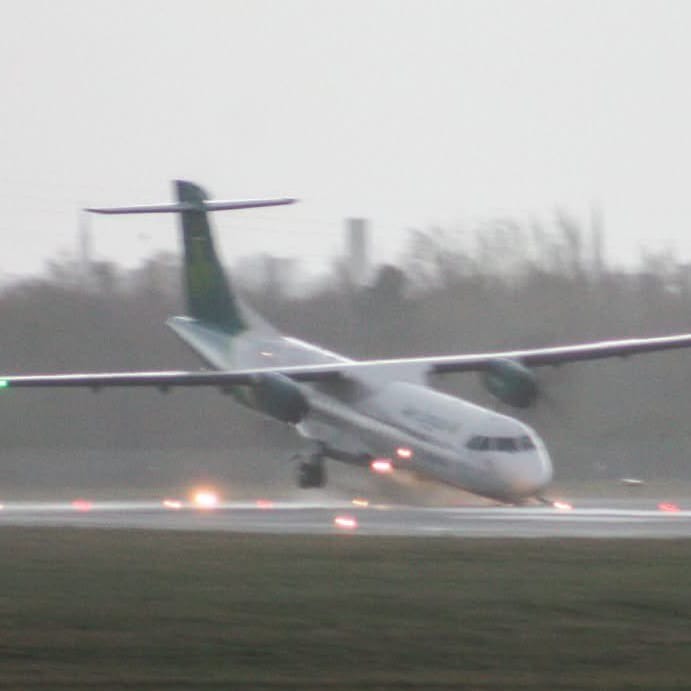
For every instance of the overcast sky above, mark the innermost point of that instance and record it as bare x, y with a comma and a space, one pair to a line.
410, 113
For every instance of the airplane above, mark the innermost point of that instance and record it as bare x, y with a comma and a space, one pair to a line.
378, 414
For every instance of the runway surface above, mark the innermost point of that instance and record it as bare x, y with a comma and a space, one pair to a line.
593, 519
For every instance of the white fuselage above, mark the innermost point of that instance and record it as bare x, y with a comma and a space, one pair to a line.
399, 418
437, 436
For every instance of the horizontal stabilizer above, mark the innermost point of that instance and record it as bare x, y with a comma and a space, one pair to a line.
175, 207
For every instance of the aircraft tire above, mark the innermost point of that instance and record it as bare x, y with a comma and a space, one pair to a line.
311, 474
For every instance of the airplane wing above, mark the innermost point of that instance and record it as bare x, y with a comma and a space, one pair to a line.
558, 355
535, 357
165, 380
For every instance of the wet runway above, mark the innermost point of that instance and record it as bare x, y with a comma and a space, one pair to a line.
600, 518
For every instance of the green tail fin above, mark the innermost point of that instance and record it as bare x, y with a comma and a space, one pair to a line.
209, 296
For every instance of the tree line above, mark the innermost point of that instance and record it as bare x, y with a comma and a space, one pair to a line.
507, 286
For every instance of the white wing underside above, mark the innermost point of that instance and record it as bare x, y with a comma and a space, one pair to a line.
325, 366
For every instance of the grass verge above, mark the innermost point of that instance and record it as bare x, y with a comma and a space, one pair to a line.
138, 610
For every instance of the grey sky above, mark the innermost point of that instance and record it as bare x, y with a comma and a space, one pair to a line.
410, 113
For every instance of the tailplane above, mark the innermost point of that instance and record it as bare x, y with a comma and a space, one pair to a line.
210, 298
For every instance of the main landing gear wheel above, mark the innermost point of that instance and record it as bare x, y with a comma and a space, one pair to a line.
311, 473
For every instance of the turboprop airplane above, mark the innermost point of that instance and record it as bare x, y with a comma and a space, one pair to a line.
378, 413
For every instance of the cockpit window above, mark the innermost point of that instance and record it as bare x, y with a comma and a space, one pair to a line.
502, 444
505, 444
526, 443
478, 443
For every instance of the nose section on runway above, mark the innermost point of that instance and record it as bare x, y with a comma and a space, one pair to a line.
526, 475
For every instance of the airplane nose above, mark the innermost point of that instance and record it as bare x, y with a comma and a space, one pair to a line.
527, 474
545, 471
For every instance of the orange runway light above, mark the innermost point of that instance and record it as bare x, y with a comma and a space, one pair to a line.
345, 522
381, 466
562, 505
359, 501
668, 506
82, 505
404, 453
172, 503
264, 504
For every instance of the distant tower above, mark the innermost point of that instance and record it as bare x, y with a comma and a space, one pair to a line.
357, 261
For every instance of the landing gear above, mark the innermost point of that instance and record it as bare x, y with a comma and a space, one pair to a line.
311, 473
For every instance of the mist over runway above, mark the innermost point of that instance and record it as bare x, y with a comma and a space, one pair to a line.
618, 518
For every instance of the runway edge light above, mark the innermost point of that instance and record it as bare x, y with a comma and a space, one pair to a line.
345, 522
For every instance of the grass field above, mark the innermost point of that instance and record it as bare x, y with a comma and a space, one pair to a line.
138, 610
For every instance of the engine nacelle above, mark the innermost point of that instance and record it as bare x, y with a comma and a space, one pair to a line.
280, 397
511, 382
